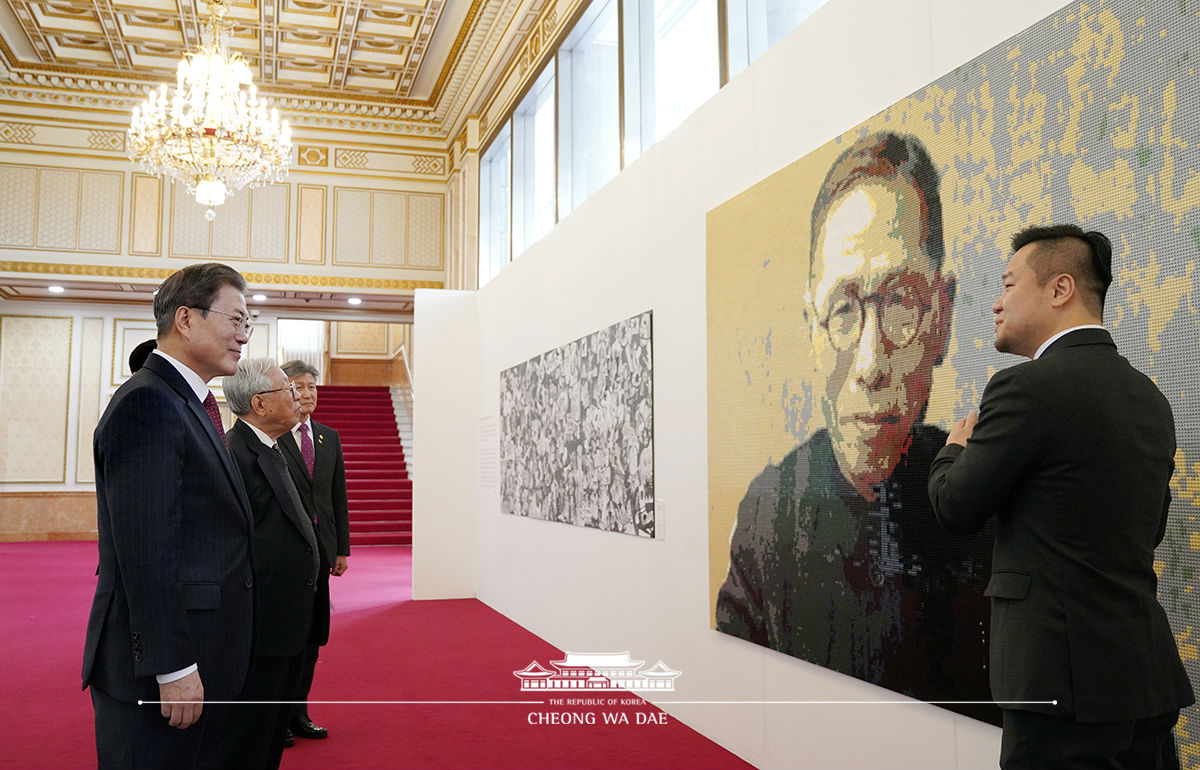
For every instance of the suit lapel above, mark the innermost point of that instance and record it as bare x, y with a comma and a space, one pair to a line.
167, 372
274, 472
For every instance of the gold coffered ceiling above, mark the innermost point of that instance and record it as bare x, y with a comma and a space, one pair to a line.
344, 47
415, 67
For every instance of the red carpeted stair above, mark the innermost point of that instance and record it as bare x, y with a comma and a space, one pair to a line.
377, 479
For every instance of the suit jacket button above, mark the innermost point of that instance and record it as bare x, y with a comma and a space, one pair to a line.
137, 658
249, 582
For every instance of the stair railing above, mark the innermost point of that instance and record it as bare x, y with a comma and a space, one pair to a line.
408, 370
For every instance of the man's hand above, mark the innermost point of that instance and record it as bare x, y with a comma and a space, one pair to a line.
340, 565
963, 429
182, 700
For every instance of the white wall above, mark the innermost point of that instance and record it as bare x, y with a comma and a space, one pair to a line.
639, 244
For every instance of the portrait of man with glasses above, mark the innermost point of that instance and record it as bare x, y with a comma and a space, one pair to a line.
836, 557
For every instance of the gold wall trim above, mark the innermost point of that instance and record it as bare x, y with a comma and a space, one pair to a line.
105, 271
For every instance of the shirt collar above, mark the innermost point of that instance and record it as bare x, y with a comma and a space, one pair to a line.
306, 421
261, 436
1064, 332
194, 381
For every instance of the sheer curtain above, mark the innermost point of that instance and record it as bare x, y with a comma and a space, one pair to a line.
303, 341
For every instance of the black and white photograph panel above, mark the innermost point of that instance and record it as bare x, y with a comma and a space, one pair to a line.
577, 432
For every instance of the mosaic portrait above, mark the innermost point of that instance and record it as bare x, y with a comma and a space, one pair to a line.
850, 324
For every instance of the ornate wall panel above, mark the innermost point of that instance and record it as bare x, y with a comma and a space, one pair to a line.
18, 201
35, 366
90, 385
230, 231
58, 208
145, 235
425, 231
269, 215
189, 230
357, 338
100, 212
310, 225
387, 228
251, 226
351, 227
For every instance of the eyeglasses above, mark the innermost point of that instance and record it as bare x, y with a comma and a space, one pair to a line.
241, 323
900, 311
290, 386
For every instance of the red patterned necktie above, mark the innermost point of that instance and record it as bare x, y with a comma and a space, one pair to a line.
306, 449
210, 405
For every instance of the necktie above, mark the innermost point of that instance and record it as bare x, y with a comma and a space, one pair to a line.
306, 449
293, 493
210, 405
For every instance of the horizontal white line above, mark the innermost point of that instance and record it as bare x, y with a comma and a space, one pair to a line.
647, 702
862, 702
347, 702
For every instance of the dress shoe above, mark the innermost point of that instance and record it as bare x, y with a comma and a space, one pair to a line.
303, 727
289, 740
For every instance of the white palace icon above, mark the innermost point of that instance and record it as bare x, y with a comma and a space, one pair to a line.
597, 671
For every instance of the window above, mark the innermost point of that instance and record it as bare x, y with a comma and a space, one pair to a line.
756, 25
671, 64
589, 118
494, 202
623, 78
534, 210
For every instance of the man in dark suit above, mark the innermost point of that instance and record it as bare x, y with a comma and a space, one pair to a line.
285, 561
314, 453
1072, 452
171, 620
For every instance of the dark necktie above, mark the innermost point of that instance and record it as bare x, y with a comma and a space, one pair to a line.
293, 493
210, 405
306, 449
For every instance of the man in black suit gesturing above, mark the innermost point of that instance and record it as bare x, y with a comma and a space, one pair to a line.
285, 561
171, 621
1072, 452
314, 453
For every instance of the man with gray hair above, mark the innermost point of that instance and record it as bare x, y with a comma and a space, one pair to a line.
314, 454
285, 561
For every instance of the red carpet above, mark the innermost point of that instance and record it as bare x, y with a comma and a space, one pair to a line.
377, 481
384, 647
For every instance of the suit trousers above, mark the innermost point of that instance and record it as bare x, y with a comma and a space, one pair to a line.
257, 727
311, 652
1033, 741
132, 736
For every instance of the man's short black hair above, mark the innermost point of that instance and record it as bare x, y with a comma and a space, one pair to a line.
886, 156
1086, 256
193, 286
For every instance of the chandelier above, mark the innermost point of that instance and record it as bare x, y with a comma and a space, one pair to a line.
208, 133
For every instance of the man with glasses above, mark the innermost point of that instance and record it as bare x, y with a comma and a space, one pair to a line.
172, 620
836, 556
285, 561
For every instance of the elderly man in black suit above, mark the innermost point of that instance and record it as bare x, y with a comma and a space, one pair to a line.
285, 561
314, 453
171, 622
1072, 452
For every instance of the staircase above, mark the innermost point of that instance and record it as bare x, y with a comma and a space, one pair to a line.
377, 481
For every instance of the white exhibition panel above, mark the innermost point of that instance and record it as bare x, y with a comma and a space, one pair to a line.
636, 245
